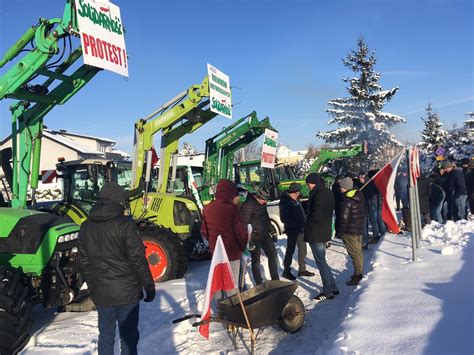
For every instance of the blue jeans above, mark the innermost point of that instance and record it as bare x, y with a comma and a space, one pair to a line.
365, 231
460, 207
373, 218
380, 221
319, 253
127, 318
436, 212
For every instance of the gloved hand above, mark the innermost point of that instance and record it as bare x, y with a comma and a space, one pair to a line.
150, 295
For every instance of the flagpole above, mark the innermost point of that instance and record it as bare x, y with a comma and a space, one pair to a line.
412, 211
418, 217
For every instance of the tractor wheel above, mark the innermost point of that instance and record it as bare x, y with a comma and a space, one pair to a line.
165, 253
292, 316
15, 311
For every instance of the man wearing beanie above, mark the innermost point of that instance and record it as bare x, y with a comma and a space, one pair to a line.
222, 217
456, 192
317, 231
111, 256
293, 217
254, 212
350, 226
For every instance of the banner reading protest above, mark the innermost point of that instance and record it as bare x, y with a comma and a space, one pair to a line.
269, 149
219, 90
102, 36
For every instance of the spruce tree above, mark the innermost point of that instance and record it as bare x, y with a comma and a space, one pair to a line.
433, 136
360, 116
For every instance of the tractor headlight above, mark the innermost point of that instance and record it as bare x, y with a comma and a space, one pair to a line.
68, 237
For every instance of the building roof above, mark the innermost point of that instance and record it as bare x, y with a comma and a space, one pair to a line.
78, 147
63, 132
61, 138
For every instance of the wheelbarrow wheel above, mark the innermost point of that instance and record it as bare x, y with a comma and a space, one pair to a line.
292, 316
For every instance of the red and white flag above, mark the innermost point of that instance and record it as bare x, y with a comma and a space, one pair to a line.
414, 157
385, 182
154, 157
220, 278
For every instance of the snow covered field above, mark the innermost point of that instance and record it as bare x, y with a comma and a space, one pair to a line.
400, 307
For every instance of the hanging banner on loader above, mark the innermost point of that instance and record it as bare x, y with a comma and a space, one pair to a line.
219, 91
269, 149
102, 35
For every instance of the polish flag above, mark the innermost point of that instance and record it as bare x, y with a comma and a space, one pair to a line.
220, 278
385, 182
154, 157
414, 158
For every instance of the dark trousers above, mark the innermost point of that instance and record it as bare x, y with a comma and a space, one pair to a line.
126, 317
265, 243
295, 239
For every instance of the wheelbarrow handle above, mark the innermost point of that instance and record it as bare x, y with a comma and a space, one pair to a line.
186, 317
218, 320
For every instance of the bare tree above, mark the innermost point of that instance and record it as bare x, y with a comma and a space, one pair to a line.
250, 152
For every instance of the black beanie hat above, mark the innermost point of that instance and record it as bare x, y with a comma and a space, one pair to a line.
114, 192
313, 178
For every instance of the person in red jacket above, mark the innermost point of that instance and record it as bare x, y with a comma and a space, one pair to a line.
222, 217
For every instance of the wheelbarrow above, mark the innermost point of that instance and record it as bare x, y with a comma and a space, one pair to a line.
268, 304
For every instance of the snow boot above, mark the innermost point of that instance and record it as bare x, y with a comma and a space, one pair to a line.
354, 281
322, 297
305, 273
288, 275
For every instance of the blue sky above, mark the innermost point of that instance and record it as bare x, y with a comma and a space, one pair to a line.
283, 57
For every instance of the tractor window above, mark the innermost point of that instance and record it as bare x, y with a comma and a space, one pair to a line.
198, 179
242, 175
124, 177
255, 173
85, 189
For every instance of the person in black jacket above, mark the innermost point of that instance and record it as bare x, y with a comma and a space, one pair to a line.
254, 212
317, 231
456, 191
436, 201
293, 217
111, 256
374, 202
467, 169
424, 192
351, 226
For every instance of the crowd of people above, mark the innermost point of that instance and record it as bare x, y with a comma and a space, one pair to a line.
111, 255
307, 224
352, 212
445, 193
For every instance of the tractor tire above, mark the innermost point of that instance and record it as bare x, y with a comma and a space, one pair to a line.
292, 316
15, 311
165, 253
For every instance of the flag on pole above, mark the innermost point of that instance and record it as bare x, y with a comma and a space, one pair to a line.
220, 278
414, 158
154, 157
385, 182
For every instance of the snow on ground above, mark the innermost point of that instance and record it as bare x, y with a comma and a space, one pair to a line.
399, 307
405, 307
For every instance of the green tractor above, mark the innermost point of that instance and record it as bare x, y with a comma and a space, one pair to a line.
37, 249
169, 224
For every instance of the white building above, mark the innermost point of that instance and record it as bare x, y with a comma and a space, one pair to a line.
286, 155
68, 146
71, 146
